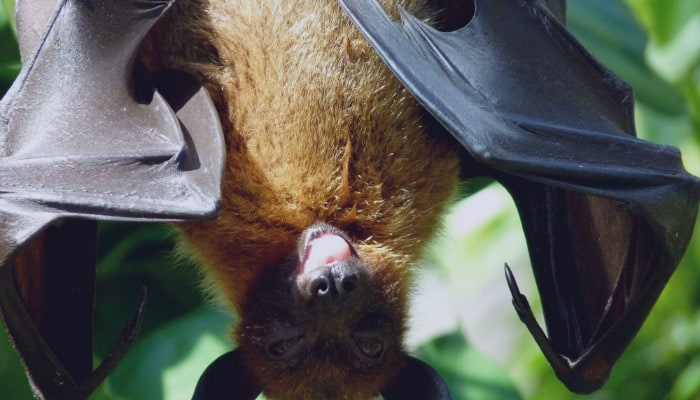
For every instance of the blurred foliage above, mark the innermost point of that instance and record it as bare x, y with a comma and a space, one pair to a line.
469, 331
9, 53
450, 353
673, 51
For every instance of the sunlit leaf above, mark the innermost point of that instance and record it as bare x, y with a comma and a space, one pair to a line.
9, 53
610, 32
168, 362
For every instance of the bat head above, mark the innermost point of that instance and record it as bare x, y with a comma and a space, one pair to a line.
322, 323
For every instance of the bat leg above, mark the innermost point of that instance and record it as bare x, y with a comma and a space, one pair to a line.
48, 378
569, 372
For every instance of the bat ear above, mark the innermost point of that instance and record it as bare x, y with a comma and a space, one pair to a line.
417, 380
226, 379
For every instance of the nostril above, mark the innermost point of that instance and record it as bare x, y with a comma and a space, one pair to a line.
320, 286
347, 283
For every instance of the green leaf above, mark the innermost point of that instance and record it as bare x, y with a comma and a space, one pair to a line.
468, 373
7, 9
687, 386
13, 382
9, 52
674, 49
663, 19
610, 32
168, 362
677, 58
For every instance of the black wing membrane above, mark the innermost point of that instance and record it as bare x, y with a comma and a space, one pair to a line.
227, 377
607, 216
75, 143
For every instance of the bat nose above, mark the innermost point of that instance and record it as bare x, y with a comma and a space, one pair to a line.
334, 282
321, 285
347, 283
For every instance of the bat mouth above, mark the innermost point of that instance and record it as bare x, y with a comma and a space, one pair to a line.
321, 246
330, 273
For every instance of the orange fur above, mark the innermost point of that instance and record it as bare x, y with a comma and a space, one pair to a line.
317, 129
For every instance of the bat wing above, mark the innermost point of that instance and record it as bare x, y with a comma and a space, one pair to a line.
75, 142
227, 375
607, 216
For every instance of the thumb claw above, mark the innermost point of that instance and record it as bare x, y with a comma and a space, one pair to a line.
126, 339
520, 303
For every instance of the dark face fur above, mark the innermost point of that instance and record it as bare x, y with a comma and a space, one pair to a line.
320, 323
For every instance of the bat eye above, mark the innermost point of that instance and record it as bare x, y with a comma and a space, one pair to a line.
284, 348
370, 347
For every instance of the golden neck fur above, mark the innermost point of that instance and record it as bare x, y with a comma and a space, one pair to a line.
317, 129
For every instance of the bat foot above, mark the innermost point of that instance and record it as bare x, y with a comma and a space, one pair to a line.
49, 379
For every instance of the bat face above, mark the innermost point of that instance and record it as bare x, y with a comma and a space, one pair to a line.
322, 325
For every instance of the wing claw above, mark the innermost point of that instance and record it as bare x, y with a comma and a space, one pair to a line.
520, 303
581, 376
126, 339
49, 379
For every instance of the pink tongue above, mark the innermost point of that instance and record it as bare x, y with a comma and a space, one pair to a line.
325, 250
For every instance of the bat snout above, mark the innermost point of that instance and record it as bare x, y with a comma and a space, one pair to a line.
334, 281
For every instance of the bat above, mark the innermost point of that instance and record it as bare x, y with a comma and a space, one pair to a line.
559, 163
315, 245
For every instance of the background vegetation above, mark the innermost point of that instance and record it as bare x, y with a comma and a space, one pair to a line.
464, 323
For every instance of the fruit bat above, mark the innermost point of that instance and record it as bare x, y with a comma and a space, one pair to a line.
323, 132
315, 246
